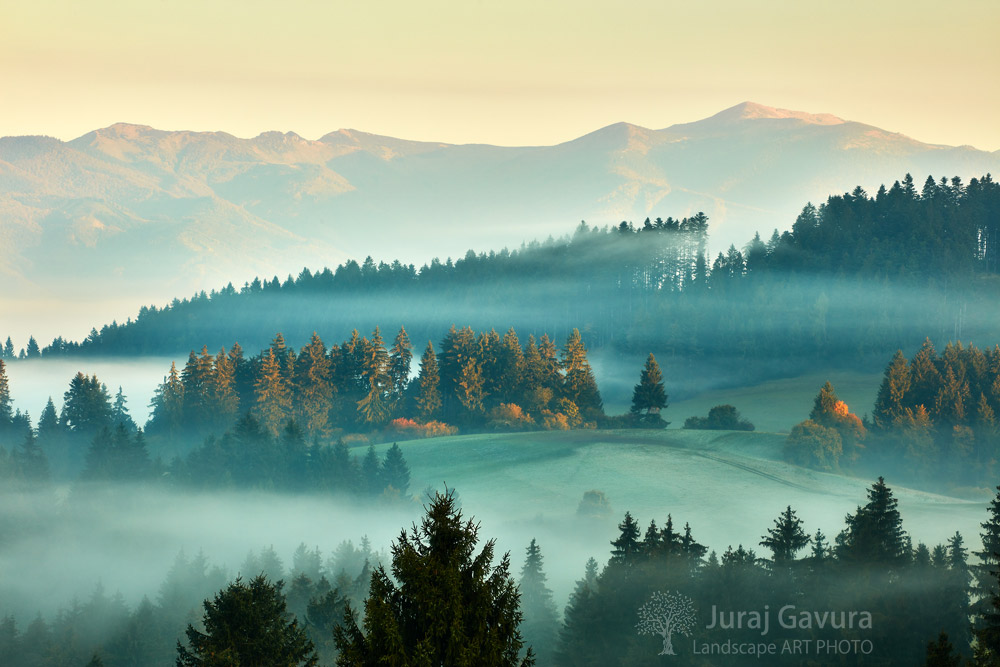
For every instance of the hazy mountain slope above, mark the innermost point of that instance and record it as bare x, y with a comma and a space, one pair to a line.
153, 214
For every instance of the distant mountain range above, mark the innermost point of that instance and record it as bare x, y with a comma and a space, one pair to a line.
153, 214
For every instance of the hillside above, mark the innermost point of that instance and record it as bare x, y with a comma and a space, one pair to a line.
533, 482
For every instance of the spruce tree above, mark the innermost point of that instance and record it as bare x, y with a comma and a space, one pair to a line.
985, 588
582, 621
541, 622
119, 412
476, 618
8, 349
395, 472
400, 357
313, 387
32, 351
30, 462
874, 536
168, 405
247, 624
579, 384
786, 539
649, 397
890, 403
6, 411
272, 399
376, 406
626, 546
428, 398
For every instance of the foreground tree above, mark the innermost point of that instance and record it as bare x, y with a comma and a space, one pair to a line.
450, 607
247, 624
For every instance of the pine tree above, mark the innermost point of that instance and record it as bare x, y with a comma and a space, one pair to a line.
579, 385
395, 472
168, 405
313, 387
30, 462
86, 405
371, 472
48, 423
786, 539
428, 398
469, 389
8, 349
890, 403
246, 624
477, 616
6, 411
649, 394
940, 653
874, 536
399, 365
224, 397
511, 368
925, 378
272, 399
32, 351
985, 588
541, 622
119, 412
627, 546
582, 621
376, 405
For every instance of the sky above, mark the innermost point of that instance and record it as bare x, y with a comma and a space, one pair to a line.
515, 72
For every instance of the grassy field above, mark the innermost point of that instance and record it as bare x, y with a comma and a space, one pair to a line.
728, 485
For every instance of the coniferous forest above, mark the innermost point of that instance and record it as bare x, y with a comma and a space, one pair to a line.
387, 382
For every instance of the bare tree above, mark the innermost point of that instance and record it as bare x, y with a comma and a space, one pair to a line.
665, 614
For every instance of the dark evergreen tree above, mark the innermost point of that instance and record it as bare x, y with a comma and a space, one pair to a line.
874, 536
32, 351
785, 540
395, 472
649, 397
541, 622
371, 472
583, 623
985, 588
246, 624
476, 619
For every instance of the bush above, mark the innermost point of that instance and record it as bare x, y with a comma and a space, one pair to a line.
720, 418
509, 417
409, 429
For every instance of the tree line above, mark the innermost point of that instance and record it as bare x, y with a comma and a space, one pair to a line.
651, 286
934, 418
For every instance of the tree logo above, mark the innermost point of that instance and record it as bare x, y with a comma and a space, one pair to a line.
665, 614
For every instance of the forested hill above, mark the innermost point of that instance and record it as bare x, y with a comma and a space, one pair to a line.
855, 278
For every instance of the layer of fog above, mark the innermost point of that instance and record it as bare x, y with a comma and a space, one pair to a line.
56, 548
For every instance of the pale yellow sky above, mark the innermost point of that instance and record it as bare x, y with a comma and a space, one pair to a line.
513, 72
